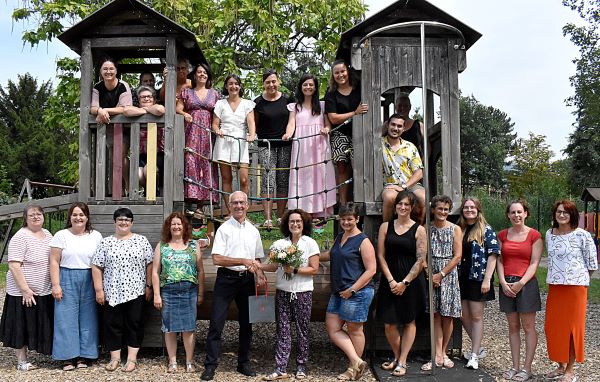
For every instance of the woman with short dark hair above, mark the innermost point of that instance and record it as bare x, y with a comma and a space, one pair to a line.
178, 283
122, 280
572, 258
27, 317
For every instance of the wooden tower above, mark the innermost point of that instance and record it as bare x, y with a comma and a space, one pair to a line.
386, 50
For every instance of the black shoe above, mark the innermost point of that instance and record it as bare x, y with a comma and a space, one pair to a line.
208, 374
245, 369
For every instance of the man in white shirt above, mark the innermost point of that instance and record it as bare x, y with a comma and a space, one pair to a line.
237, 250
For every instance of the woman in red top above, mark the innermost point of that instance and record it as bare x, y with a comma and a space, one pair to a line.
521, 249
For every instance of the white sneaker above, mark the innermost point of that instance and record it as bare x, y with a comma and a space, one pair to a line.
482, 354
473, 362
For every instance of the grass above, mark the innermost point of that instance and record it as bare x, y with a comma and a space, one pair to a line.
3, 270
593, 289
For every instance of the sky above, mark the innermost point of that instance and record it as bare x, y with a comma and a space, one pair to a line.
521, 65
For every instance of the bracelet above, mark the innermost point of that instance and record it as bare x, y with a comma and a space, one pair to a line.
390, 281
148, 286
442, 273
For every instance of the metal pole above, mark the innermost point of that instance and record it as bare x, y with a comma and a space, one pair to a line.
427, 193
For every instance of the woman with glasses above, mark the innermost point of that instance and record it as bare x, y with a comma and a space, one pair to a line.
572, 258
122, 276
75, 339
479, 252
196, 104
519, 295
28, 306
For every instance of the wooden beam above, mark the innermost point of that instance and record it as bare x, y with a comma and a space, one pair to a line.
139, 68
128, 42
87, 68
145, 118
168, 187
55, 203
101, 163
127, 30
178, 159
151, 144
134, 161
117, 162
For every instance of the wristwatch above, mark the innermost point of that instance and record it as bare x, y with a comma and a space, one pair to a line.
406, 282
403, 186
295, 271
353, 292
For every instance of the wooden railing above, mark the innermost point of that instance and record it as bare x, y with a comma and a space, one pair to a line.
113, 146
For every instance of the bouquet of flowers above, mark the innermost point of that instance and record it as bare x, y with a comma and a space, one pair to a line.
283, 253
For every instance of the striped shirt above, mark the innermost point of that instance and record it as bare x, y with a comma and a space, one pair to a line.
33, 254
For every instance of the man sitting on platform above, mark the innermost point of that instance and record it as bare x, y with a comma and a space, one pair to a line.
402, 166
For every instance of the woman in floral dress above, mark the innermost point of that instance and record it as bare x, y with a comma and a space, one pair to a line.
196, 104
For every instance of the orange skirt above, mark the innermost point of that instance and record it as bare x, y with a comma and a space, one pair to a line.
565, 318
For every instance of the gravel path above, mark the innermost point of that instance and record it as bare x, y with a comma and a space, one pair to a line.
325, 363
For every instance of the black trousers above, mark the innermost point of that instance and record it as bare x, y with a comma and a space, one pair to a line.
124, 324
229, 286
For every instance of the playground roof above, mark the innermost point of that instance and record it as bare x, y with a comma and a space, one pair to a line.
403, 11
133, 19
591, 194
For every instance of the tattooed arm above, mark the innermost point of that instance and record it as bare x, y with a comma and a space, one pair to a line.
421, 237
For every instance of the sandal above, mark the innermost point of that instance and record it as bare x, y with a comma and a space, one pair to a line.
558, 372
275, 376
81, 364
348, 375
568, 378
68, 366
172, 368
522, 376
126, 368
359, 369
300, 374
26, 366
389, 365
112, 365
510, 373
189, 367
399, 371
447, 363
428, 366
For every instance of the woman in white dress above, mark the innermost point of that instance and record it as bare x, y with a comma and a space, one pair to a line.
233, 123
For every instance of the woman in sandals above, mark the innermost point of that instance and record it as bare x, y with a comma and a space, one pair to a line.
401, 253
121, 272
446, 251
353, 266
519, 295
572, 259
75, 338
178, 284
294, 294
28, 307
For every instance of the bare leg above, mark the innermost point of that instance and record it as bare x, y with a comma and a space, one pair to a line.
514, 337
281, 204
21, 354
393, 338
357, 336
531, 338
226, 179
466, 318
131, 356
267, 207
476, 310
343, 173
341, 339
188, 344
447, 328
243, 177
408, 338
438, 335
171, 343
388, 197
115, 354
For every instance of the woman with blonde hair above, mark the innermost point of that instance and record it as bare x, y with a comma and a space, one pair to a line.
479, 252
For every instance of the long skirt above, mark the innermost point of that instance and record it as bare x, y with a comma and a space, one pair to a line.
565, 318
28, 326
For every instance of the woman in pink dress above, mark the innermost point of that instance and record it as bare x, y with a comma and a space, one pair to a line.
196, 104
311, 153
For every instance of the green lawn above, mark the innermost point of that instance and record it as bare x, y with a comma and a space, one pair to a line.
3, 269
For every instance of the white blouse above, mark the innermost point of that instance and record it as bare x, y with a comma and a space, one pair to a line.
570, 257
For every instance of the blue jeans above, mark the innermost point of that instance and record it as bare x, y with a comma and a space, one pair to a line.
75, 317
354, 309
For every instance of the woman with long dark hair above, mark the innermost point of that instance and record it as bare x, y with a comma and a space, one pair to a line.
312, 181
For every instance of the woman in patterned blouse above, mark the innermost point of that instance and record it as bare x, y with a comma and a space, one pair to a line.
178, 280
572, 258
479, 252
121, 272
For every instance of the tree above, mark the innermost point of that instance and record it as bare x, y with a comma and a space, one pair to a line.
486, 135
31, 148
584, 142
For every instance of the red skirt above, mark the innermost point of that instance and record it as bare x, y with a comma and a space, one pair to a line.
565, 318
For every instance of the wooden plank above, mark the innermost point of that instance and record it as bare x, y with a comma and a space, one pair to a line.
117, 162
134, 161
101, 163
453, 105
371, 127
169, 125
129, 30
145, 118
178, 159
128, 42
142, 228
108, 209
138, 218
359, 127
55, 203
151, 168
87, 67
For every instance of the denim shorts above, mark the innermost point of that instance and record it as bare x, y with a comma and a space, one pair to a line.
354, 309
179, 307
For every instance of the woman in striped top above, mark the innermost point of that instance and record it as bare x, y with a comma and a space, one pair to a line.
27, 317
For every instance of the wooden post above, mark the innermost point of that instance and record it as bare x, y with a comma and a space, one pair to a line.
178, 156
169, 124
151, 162
117, 165
100, 162
134, 161
84, 128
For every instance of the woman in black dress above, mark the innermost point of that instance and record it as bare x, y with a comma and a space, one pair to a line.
401, 252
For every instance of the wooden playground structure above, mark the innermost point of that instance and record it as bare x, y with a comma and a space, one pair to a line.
386, 49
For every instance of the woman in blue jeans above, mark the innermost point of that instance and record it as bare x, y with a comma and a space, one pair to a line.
75, 339
353, 266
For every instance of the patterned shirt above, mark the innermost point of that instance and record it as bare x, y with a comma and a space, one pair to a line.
570, 257
33, 253
480, 254
178, 264
399, 165
124, 263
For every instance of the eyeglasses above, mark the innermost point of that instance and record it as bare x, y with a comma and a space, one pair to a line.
469, 208
561, 213
146, 97
123, 220
35, 215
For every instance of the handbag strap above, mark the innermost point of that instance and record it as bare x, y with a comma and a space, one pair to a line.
266, 289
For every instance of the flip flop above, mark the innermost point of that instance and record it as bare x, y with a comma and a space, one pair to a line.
389, 365
428, 366
556, 373
399, 371
509, 374
522, 376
